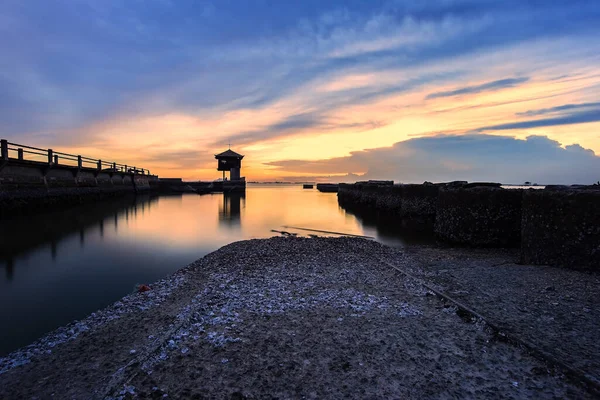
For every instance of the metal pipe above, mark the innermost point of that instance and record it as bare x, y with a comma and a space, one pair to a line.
334, 233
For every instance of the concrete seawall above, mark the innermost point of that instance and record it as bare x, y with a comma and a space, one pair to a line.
27, 186
554, 226
561, 227
479, 216
412, 204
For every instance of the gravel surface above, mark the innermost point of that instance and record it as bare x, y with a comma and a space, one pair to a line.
282, 318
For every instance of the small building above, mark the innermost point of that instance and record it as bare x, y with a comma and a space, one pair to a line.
230, 161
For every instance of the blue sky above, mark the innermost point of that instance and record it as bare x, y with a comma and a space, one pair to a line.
169, 83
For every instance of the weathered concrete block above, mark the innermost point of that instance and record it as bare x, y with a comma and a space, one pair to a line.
561, 227
406, 201
60, 178
419, 201
141, 183
18, 176
479, 216
104, 180
86, 179
357, 195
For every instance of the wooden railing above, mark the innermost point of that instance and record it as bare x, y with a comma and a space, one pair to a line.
55, 158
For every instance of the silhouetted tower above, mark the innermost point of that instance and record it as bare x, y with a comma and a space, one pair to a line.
230, 161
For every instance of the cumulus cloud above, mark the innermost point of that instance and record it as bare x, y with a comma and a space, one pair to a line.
475, 157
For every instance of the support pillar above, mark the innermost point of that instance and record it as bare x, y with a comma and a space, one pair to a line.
4, 151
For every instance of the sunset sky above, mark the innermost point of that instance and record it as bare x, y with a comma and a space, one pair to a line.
310, 90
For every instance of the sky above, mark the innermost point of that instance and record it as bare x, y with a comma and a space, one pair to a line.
477, 90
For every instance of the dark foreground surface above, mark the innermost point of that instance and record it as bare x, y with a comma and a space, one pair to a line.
297, 318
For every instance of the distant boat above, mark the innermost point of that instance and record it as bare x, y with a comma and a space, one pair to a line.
307, 186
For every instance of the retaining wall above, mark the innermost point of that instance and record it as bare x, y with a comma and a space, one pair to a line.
554, 226
479, 216
561, 227
27, 186
408, 201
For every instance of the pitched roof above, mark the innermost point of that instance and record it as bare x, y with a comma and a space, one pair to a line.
229, 153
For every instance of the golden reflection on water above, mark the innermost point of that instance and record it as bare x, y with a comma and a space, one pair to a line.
97, 253
62, 265
181, 221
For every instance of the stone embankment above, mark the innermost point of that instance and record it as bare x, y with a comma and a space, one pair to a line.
310, 318
557, 225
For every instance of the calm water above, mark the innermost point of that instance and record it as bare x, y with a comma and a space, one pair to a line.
61, 266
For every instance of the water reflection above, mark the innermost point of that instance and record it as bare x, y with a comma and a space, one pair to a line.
62, 266
395, 231
24, 235
230, 210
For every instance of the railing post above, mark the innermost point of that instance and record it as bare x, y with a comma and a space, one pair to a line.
79, 162
4, 152
99, 165
20, 154
56, 159
50, 156
114, 166
126, 169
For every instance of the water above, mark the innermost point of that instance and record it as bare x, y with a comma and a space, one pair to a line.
61, 266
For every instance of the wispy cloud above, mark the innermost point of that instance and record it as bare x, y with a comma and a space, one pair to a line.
485, 87
289, 76
561, 109
570, 119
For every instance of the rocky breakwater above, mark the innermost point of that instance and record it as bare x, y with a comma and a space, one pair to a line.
479, 214
474, 214
561, 226
558, 225
415, 203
